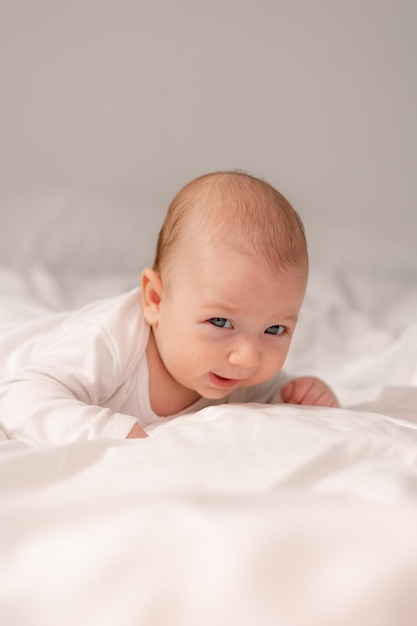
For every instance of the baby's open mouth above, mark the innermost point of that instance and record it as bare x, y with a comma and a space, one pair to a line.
221, 381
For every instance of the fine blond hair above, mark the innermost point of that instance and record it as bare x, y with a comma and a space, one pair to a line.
233, 207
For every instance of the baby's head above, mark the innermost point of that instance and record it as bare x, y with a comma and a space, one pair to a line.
226, 288
239, 210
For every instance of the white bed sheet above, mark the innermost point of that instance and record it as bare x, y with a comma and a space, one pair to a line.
238, 514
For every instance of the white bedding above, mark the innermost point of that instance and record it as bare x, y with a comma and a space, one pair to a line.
238, 514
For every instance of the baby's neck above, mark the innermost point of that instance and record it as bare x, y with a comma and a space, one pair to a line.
167, 396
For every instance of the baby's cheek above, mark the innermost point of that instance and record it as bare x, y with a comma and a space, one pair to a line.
190, 360
275, 363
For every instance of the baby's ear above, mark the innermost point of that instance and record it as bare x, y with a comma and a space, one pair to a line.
151, 295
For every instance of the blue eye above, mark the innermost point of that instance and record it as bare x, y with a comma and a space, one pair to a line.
220, 322
275, 330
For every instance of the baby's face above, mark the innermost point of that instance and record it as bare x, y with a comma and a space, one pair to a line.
227, 320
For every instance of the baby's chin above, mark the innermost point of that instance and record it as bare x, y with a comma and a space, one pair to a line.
215, 394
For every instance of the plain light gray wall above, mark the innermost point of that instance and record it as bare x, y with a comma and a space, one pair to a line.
139, 96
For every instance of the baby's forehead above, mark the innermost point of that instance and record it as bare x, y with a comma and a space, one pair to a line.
236, 283
208, 259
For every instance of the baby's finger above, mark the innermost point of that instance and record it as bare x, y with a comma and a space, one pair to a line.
287, 391
296, 390
321, 396
308, 390
315, 395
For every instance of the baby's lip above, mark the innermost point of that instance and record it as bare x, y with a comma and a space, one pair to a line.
222, 381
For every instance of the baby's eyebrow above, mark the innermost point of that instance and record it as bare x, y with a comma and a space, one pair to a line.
221, 306
290, 316
226, 309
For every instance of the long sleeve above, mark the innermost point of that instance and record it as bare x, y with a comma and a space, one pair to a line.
60, 391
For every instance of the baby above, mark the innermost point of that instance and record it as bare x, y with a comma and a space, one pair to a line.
211, 323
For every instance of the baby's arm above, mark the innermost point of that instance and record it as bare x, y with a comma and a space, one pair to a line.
58, 392
310, 391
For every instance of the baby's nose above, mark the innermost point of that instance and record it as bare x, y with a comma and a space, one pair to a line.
245, 353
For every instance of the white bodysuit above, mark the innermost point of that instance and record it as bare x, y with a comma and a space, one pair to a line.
85, 376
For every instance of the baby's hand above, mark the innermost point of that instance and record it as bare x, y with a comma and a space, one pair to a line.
308, 390
136, 433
